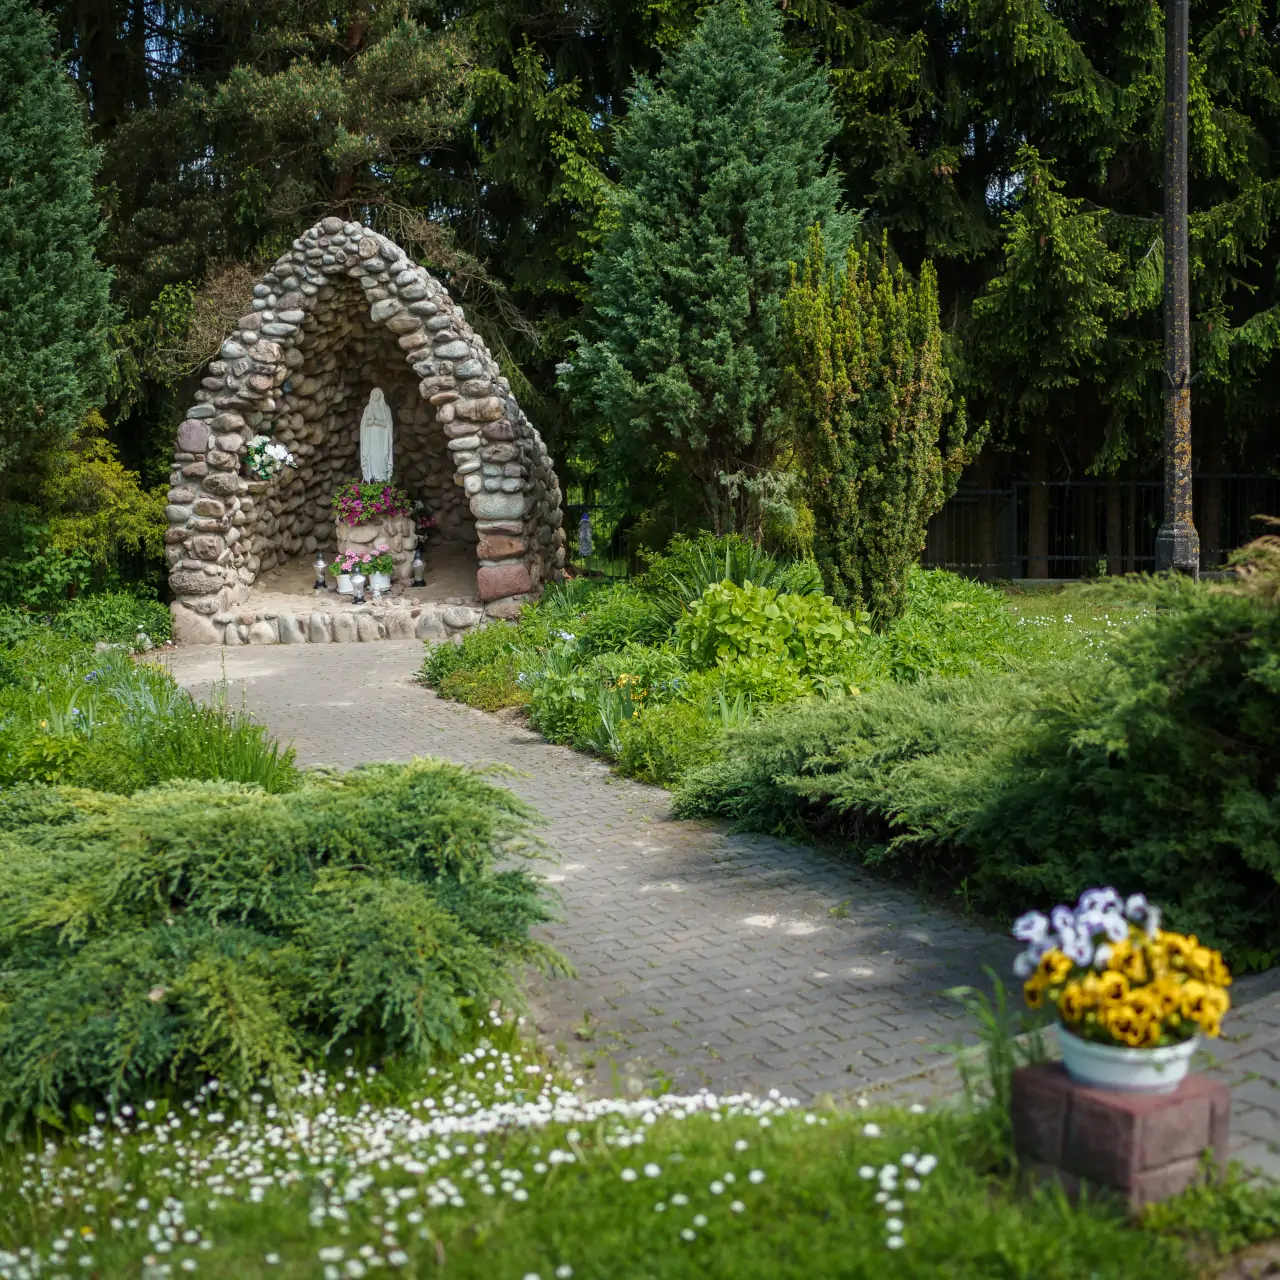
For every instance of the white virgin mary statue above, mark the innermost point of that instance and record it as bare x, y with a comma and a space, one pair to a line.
375, 438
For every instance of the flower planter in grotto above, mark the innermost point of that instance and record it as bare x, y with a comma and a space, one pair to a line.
344, 311
394, 532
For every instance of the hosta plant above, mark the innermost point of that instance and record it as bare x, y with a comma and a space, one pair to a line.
1113, 976
731, 622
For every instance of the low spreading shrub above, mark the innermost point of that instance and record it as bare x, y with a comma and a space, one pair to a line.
199, 930
1153, 771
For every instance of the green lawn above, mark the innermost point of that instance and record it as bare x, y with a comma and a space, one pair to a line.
491, 1169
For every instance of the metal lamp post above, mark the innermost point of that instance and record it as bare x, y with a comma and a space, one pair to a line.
1177, 543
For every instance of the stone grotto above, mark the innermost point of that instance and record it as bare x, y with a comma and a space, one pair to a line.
344, 312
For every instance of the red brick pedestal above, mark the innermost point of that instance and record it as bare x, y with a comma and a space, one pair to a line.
1147, 1147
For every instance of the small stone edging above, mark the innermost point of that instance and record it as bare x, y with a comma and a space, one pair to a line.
436, 621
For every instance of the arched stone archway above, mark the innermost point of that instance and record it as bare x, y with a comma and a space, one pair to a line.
343, 311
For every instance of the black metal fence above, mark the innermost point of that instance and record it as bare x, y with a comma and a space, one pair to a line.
1087, 527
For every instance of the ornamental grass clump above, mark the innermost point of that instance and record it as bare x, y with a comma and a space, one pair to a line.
209, 930
1113, 976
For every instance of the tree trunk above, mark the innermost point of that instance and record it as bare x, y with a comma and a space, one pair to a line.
986, 477
1038, 506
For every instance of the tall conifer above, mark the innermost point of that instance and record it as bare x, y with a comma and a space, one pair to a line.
54, 296
723, 169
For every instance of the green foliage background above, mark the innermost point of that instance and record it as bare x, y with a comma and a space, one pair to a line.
722, 167
882, 441
1017, 150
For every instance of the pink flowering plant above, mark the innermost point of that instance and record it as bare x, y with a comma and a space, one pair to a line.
358, 503
352, 562
380, 561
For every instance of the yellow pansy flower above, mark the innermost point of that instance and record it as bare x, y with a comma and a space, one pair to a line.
1128, 1026
1168, 991
1195, 999
1113, 988
1053, 968
1073, 1003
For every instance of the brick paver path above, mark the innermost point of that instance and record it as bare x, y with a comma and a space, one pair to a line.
702, 958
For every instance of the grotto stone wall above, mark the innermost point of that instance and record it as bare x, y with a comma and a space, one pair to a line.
346, 310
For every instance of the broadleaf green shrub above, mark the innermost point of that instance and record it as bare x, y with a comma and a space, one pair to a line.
616, 617
199, 930
731, 622
665, 740
950, 626
680, 575
114, 617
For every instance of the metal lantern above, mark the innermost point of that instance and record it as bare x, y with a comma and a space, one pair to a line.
357, 587
419, 568
320, 567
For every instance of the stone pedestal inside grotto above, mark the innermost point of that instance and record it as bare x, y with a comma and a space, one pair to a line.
397, 532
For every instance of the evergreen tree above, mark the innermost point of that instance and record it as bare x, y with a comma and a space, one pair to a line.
938, 103
54, 296
723, 168
872, 394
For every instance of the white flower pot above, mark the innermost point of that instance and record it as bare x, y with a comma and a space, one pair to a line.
1108, 1066
344, 584
380, 581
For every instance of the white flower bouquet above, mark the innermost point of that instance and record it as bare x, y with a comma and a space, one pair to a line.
265, 458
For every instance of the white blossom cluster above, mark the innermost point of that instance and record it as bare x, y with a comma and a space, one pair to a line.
266, 457
912, 1169
398, 1167
1085, 935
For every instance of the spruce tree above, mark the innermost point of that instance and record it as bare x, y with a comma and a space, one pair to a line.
54, 296
723, 169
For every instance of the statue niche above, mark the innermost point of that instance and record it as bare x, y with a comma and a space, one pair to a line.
375, 439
